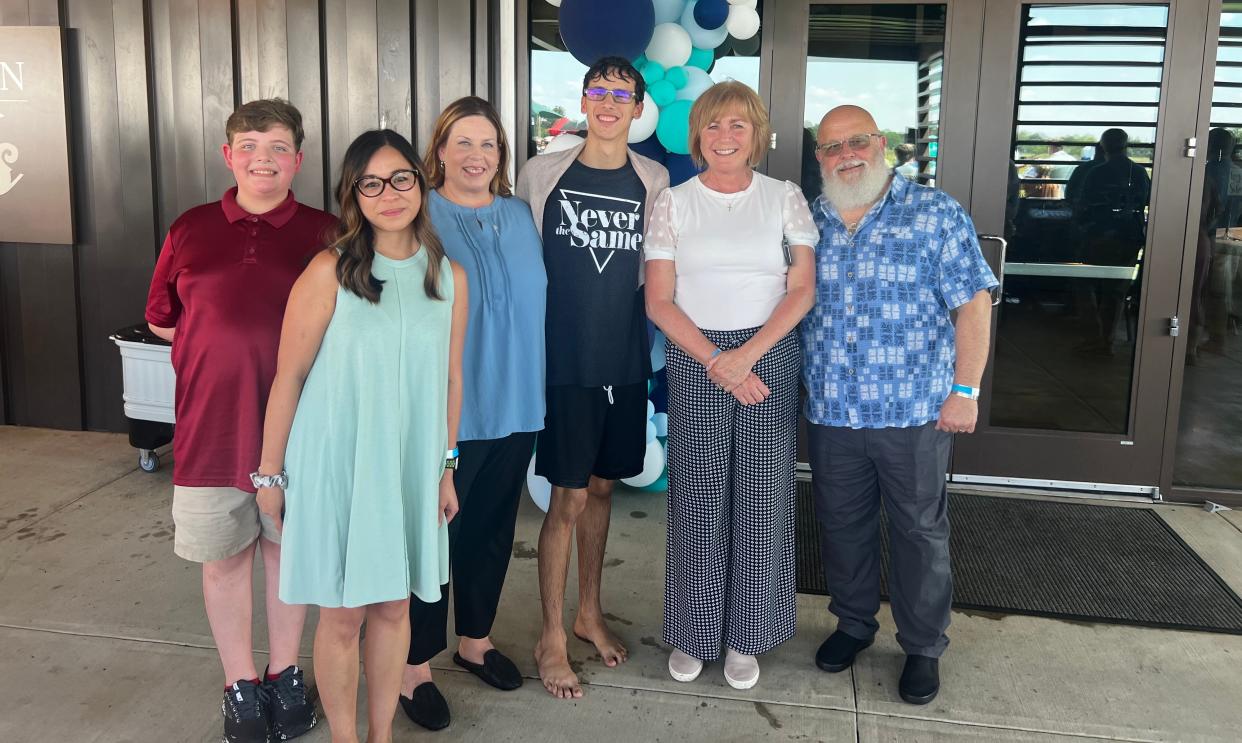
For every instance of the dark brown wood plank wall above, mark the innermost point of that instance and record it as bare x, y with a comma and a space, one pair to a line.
151, 83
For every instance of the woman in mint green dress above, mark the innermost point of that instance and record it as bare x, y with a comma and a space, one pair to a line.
363, 418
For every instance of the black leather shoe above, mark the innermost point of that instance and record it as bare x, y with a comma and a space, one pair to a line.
920, 679
495, 669
426, 706
838, 651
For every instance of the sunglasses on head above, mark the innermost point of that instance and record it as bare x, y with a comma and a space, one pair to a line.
372, 186
856, 143
620, 95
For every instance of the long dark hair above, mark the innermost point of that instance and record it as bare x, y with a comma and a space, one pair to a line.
355, 238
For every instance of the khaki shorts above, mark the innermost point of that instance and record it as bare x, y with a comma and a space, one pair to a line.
216, 523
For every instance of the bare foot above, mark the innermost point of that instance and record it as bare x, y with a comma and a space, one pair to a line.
558, 678
596, 632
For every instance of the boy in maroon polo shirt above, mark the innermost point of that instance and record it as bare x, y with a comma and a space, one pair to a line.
218, 293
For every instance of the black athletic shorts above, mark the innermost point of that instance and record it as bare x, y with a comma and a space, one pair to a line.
586, 433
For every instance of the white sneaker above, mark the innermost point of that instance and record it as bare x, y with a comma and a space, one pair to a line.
741, 671
684, 668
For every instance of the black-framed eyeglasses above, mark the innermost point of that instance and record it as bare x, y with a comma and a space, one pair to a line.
372, 186
856, 143
620, 95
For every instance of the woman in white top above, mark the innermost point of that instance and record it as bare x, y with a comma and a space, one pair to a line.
730, 273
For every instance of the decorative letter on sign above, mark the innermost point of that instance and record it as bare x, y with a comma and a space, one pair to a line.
35, 204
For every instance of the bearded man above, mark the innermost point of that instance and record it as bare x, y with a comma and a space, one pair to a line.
890, 378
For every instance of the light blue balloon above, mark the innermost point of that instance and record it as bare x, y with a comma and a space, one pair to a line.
702, 38
657, 357
650, 409
697, 81
652, 72
661, 93
668, 11
676, 76
674, 127
701, 57
651, 432
661, 424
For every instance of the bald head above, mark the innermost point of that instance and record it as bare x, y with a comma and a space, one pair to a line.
843, 122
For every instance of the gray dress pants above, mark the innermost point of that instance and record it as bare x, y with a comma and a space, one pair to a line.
855, 470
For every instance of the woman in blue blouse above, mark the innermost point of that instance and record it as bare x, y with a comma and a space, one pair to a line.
492, 235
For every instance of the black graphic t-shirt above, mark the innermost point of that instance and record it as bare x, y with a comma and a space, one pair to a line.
592, 249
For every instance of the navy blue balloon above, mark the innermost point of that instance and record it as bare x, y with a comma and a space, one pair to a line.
650, 147
592, 29
680, 168
711, 14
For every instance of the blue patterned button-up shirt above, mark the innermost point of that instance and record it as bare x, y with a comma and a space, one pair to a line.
878, 347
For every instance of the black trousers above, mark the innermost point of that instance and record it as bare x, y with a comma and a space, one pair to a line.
855, 470
489, 487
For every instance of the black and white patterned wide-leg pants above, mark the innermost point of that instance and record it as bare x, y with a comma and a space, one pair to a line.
729, 572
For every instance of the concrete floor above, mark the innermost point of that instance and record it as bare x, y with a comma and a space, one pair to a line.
103, 638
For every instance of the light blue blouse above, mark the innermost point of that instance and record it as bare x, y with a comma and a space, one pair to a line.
503, 363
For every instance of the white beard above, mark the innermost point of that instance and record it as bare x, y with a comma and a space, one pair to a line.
863, 191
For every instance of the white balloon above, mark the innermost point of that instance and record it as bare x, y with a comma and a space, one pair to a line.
697, 81
653, 467
731, 2
670, 45
661, 423
667, 11
743, 22
562, 142
703, 38
644, 126
538, 486
557, 3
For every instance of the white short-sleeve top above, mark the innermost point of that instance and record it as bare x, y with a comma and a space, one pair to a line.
729, 249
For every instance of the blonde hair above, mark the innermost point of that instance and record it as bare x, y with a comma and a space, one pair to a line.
730, 97
455, 112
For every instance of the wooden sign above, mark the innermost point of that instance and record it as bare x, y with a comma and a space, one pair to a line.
35, 201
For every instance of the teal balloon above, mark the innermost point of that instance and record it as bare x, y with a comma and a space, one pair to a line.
701, 58
661, 93
676, 76
652, 72
660, 484
674, 127
640, 61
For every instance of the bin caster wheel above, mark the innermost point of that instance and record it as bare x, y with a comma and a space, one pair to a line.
148, 461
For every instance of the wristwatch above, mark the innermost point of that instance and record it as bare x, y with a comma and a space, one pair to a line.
270, 481
961, 390
451, 459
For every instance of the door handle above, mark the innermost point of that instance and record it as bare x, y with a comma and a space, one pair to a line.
999, 290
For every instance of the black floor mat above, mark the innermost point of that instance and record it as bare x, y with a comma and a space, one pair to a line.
1059, 559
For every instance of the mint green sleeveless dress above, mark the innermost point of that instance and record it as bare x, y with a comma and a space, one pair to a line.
366, 451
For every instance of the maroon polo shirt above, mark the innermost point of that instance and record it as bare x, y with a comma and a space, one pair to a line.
222, 281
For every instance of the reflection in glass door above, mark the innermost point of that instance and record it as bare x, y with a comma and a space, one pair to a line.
1210, 420
1088, 95
1088, 179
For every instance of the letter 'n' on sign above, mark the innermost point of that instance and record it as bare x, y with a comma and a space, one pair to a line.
35, 195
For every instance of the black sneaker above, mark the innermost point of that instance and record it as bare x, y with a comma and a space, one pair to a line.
290, 710
839, 650
920, 679
245, 713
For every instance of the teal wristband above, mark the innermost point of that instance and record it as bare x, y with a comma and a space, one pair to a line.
961, 390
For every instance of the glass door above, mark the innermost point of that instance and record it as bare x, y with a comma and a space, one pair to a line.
1084, 160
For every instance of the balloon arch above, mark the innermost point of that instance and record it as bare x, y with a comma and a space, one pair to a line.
673, 44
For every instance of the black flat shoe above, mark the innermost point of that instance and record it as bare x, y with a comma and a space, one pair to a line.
495, 669
426, 706
839, 650
920, 679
